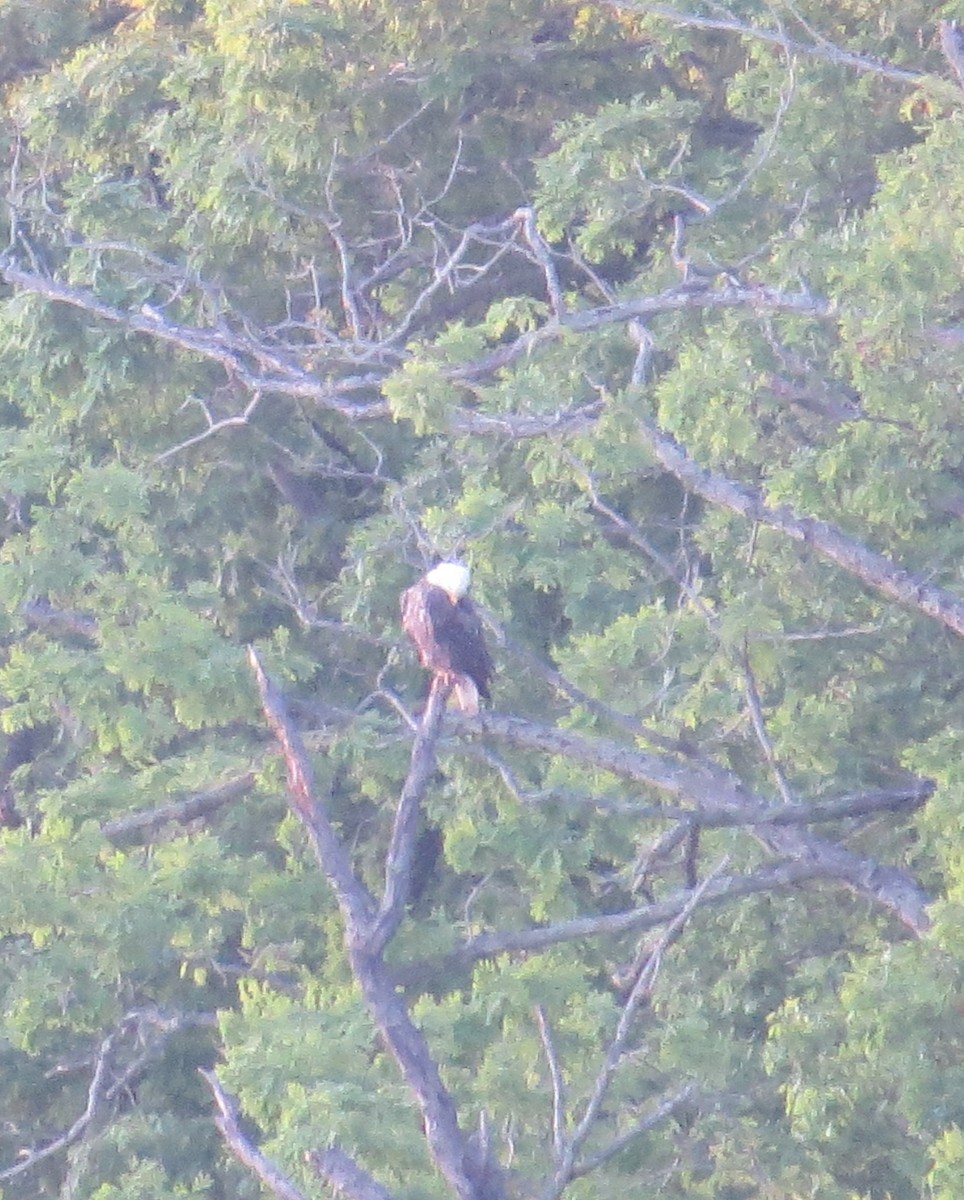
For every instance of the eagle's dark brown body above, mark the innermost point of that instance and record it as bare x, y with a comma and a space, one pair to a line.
448, 635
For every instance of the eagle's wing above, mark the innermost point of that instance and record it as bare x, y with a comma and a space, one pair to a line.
470, 655
417, 623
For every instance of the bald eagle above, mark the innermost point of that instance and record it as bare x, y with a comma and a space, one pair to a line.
442, 622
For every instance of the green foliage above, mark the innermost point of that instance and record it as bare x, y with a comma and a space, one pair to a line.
276, 333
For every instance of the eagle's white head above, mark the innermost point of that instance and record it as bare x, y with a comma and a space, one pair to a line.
452, 577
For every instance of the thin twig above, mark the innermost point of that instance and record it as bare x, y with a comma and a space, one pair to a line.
755, 705
642, 988
586, 1166
558, 1085
822, 49
96, 1093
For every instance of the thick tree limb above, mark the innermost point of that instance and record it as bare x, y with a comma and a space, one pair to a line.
844, 808
706, 785
354, 900
243, 1149
874, 570
952, 44
345, 1177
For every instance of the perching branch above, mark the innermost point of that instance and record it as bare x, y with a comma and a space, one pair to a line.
401, 850
449, 1147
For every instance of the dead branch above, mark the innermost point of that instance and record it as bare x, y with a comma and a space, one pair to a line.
846, 808
776, 877
449, 1147
586, 1166
543, 256
874, 570
354, 900
143, 825
344, 1176
96, 1094
756, 299
755, 705
952, 45
817, 48
558, 1087
106, 1085
705, 785
645, 974
243, 1149
250, 362
398, 862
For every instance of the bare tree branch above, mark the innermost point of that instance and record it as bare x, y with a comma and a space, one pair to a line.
586, 1166
401, 850
952, 44
645, 979
558, 1087
450, 1148
705, 784
142, 825
818, 48
543, 256
756, 299
252, 363
775, 877
345, 1177
755, 705
106, 1086
862, 804
354, 900
872, 569
243, 1149
96, 1094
